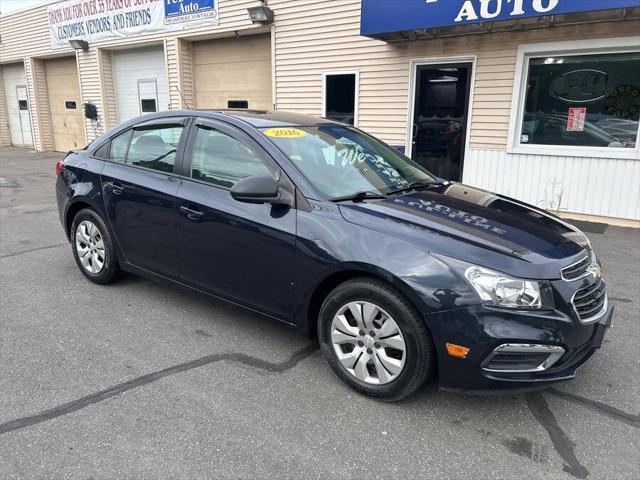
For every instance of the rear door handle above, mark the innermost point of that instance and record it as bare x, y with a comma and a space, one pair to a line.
191, 214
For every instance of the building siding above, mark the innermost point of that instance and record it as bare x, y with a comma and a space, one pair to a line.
312, 37
109, 104
5, 136
560, 184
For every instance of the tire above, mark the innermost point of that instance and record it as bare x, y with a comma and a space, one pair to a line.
100, 265
410, 368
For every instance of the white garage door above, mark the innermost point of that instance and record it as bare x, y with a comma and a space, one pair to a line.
141, 83
233, 72
63, 91
18, 108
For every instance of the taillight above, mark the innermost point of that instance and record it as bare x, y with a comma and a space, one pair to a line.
59, 167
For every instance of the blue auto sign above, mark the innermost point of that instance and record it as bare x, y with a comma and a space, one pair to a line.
179, 8
385, 16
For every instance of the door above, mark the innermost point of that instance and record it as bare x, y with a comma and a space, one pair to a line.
18, 108
233, 71
440, 118
24, 115
241, 251
63, 91
139, 187
140, 82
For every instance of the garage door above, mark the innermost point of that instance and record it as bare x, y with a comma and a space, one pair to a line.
230, 72
140, 82
18, 108
67, 119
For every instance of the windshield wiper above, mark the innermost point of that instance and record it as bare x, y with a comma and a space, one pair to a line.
418, 185
358, 197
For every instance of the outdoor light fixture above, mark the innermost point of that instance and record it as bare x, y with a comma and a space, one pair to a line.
261, 14
79, 45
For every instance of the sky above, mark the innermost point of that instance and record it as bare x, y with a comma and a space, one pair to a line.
10, 6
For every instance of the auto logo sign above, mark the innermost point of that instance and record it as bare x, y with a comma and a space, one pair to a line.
177, 11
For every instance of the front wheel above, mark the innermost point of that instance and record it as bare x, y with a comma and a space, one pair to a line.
374, 339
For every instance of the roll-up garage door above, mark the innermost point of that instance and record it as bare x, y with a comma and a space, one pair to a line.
233, 72
141, 82
18, 108
67, 118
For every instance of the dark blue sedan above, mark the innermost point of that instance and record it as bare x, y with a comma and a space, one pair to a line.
401, 275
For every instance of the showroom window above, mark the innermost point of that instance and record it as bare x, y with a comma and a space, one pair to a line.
579, 104
340, 102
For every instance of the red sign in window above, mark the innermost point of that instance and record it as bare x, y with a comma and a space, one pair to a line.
576, 119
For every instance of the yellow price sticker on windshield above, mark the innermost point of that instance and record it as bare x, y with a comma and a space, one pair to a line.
284, 133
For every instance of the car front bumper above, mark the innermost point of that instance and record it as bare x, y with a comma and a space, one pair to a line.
482, 329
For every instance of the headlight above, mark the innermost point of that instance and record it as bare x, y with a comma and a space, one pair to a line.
501, 290
504, 291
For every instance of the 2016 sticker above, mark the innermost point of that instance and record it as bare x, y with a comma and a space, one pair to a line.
284, 133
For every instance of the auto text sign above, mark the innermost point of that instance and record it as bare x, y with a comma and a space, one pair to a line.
385, 16
98, 20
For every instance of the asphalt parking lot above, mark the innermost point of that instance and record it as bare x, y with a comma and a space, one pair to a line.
138, 380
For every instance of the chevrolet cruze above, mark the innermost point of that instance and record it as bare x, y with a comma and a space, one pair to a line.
402, 276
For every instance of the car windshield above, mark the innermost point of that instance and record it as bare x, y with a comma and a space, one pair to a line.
342, 161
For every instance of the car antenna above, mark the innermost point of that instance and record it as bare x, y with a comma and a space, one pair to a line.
184, 102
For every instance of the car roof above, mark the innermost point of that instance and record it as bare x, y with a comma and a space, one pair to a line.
263, 118
255, 118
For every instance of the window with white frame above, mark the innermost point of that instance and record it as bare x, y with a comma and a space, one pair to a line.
340, 102
578, 102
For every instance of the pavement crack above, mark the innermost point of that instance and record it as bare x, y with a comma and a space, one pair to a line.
598, 407
560, 440
22, 252
137, 382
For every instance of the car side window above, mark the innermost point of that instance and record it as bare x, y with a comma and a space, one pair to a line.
103, 151
118, 149
155, 148
223, 160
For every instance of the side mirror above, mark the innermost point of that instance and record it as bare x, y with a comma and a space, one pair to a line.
261, 189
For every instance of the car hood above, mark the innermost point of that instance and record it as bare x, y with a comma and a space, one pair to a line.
476, 226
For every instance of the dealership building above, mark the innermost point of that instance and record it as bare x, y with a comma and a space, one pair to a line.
535, 99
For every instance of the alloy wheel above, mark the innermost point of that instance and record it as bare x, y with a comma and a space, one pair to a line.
90, 247
368, 342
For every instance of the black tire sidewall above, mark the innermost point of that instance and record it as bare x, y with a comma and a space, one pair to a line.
110, 268
419, 350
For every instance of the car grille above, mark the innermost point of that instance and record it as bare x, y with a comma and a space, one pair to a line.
590, 301
577, 270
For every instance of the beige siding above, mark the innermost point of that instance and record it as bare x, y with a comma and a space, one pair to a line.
18, 42
40, 114
185, 51
312, 37
5, 136
110, 113
173, 72
90, 80
179, 73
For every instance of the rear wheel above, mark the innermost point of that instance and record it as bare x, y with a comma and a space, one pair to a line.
93, 248
375, 340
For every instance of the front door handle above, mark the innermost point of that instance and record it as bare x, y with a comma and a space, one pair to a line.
191, 214
116, 189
